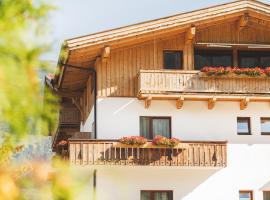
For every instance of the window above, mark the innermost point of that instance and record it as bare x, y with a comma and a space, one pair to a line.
265, 125
213, 58
156, 195
245, 195
243, 126
153, 126
254, 59
266, 195
173, 59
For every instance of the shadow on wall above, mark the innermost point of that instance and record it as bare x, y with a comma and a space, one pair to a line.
132, 180
266, 187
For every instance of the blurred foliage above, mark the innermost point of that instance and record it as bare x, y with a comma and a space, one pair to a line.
23, 25
24, 110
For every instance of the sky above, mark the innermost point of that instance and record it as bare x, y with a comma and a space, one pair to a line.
73, 18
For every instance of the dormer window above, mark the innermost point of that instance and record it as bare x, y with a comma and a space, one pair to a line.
254, 59
212, 58
173, 59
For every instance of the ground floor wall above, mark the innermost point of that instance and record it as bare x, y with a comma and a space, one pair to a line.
248, 169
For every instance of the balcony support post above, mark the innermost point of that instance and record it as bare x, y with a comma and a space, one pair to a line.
147, 102
180, 102
244, 103
211, 103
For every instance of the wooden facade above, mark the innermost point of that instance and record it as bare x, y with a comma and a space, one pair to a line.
129, 60
109, 152
117, 76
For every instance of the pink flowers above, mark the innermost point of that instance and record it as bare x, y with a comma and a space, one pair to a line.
253, 72
163, 141
133, 140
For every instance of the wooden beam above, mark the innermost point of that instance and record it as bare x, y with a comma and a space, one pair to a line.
75, 101
190, 34
189, 48
211, 103
244, 103
147, 102
105, 53
242, 23
179, 102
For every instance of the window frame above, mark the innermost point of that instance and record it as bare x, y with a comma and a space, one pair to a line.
264, 118
205, 51
151, 125
152, 192
181, 67
249, 125
247, 191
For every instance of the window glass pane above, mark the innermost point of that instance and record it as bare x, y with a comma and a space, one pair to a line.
243, 126
265, 61
213, 58
249, 62
265, 125
161, 196
254, 59
173, 59
266, 195
161, 127
245, 196
145, 195
145, 127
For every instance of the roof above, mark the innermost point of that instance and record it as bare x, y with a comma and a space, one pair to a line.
85, 49
168, 22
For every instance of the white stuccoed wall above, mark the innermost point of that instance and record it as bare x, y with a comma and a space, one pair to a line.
118, 117
248, 156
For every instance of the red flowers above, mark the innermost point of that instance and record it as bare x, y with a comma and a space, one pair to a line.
133, 140
62, 143
253, 72
163, 141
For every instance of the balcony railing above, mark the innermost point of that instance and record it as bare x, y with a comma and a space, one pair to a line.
190, 82
110, 152
69, 116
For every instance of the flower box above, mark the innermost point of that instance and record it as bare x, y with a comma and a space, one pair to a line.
235, 72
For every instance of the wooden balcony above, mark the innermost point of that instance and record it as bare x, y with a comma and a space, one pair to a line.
110, 152
190, 85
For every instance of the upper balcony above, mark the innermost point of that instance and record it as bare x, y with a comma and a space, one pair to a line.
191, 85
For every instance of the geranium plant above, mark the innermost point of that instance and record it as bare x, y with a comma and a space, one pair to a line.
167, 142
253, 72
133, 140
62, 143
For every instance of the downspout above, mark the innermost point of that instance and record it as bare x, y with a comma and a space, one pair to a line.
93, 71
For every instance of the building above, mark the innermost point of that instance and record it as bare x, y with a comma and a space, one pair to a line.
150, 79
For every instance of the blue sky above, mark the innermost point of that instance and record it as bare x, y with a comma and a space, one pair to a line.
72, 19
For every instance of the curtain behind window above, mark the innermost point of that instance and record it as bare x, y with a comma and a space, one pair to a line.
145, 127
266, 195
145, 195
161, 127
161, 196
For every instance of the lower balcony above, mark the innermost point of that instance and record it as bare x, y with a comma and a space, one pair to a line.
111, 152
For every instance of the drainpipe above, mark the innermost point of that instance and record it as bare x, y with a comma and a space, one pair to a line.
94, 184
93, 71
